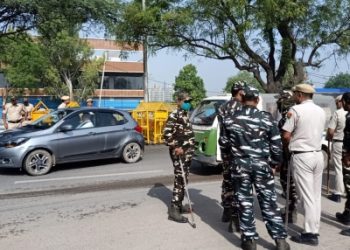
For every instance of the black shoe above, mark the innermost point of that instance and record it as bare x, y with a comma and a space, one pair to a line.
343, 217
248, 244
306, 238
292, 216
345, 232
226, 215
335, 197
281, 244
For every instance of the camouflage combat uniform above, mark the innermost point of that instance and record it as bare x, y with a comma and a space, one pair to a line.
346, 169
178, 133
255, 144
227, 196
285, 102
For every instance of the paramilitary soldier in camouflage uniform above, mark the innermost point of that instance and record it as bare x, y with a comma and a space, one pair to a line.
345, 216
256, 148
227, 198
284, 102
179, 136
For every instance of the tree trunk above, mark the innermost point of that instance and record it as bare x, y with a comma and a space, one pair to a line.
69, 84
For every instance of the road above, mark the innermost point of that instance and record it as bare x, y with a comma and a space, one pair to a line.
97, 175
111, 205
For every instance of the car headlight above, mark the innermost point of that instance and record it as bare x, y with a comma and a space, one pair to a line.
14, 142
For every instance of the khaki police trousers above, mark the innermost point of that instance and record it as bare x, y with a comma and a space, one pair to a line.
307, 172
338, 167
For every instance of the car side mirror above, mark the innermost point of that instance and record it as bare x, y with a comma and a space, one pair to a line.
66, 127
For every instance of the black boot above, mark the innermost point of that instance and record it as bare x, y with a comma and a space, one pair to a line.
226, 215
345, 232
248, 244
344, 217
174, 214
306, 238
281, 244
335, 197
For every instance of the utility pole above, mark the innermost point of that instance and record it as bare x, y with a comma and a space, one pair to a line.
145, 66
102, 77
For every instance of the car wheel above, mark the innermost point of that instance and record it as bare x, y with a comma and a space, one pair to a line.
38, 162
132, 152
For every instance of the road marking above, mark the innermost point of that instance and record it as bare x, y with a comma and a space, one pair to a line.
89, 176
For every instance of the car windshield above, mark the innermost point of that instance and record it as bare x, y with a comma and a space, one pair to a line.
206, 112
50, 119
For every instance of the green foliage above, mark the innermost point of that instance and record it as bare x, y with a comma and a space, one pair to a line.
275, 40
189, 82
58, 59
242, 76
24, 62
341, 80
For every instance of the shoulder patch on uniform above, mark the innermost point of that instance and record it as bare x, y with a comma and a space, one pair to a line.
289, 114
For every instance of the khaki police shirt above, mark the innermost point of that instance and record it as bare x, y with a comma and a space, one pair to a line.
306, 122
337, 122
62, 106
29, 110
14, 112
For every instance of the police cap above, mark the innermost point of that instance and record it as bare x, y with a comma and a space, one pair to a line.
338, 98
239, 85
304, 88
251, 92
65, 98
285, 95
182, 96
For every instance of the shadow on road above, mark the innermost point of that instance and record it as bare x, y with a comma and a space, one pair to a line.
207, 209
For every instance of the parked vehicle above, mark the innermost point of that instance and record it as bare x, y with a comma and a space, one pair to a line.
205, 124
66, 135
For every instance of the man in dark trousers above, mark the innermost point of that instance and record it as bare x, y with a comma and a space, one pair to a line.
345, 216
227, 197
179, 136
255, 146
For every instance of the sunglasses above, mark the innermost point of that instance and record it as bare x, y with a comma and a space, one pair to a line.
187, 101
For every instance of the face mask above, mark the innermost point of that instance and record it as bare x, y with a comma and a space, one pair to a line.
186, 106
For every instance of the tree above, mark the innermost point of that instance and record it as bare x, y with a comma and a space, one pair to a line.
341, 80
266, 38
189, 82
242, 76
57, 58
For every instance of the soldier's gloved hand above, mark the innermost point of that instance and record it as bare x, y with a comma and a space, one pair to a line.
179, 151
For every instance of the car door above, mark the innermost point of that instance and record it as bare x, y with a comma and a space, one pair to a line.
114, 126
81, 142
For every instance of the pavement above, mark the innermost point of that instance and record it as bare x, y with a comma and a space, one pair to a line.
136, 219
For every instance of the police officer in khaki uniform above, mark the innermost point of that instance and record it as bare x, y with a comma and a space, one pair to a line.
12, 114
28, 108
65, 101
89, 102
335, 133
303, 131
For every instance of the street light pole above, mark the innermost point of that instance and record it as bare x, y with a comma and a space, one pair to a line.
102, 77
145, 66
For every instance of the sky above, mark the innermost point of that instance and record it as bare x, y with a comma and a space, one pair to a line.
165, 66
